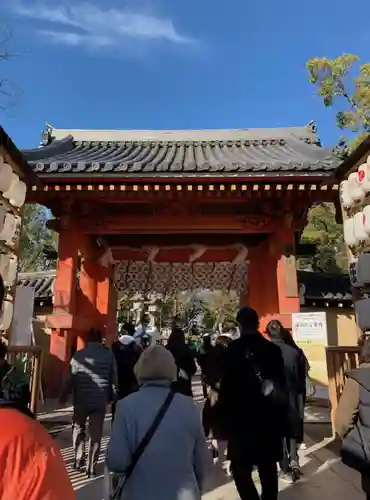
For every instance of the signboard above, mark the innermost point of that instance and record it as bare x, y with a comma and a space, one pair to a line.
22, 330
310, 328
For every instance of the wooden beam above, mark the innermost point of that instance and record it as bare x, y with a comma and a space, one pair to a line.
121, 224
143, 193
175, 255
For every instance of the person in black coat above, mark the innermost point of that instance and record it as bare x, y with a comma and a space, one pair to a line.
254, 419
186, 366
295, 374
304, 368
126, 352
204, 354
212, 422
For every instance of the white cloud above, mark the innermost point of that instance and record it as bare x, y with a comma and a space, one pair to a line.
75, 39
94, 27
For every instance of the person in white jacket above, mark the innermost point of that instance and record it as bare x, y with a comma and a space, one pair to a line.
147, 329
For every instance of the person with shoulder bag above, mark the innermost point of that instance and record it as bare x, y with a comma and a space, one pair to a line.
352, 421
157, 449
252, 390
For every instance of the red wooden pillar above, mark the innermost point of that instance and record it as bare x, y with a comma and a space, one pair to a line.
106, 304
62, 335
262, 292
272, 279
87, 298
287, 280
111, 330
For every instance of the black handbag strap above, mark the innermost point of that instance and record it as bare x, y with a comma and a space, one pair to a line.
252, 360
149, 434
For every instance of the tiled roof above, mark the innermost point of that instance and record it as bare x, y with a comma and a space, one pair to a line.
318, 286
41, 282
246, 152
325, 286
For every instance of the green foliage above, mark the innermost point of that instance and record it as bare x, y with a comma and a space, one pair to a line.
344, 84
341, 80
323, 230
220, 307
215, 308
35, 235
14, 381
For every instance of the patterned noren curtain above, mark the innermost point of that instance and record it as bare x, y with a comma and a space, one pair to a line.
170, 277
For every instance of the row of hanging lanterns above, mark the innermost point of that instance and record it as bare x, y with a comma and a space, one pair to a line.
12, 187
356, 229
353, 191
13, 193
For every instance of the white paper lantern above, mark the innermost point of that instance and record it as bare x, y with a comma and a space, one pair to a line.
8, 268
8, 231
349, 232
345, 195
364, 177
6, 175
4, 260
366, 219
356, 193
10, 272
6, 315
359, 227
8, 194
18, 194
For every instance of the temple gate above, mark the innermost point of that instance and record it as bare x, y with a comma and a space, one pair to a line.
175, 210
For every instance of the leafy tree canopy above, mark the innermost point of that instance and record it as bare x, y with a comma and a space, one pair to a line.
323, 230
34, 238
345, 83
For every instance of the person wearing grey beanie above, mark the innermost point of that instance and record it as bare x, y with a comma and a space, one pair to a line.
173, 462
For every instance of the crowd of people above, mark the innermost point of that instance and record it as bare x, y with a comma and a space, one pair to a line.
159, 447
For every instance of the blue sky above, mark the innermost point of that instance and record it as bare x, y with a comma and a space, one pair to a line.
167, 64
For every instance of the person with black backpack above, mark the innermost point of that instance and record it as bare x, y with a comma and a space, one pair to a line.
295, 375
253, 406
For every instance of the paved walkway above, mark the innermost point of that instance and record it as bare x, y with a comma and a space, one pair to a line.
324, 476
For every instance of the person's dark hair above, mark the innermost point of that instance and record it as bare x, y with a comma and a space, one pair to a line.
3, 350
365, 352
275, 330
145, 320
288, 339
248, 320
176, 338
94, 335
223, 341
128, 329
207, 342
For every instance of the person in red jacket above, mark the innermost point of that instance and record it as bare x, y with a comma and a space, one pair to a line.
31, 464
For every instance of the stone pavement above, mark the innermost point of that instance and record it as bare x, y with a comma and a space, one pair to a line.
324, 475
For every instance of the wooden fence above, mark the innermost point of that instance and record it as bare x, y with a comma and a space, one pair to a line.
31, 358
339, 360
